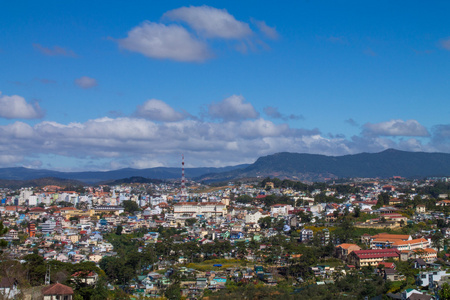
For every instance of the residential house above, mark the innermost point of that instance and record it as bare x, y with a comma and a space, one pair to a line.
420, 243
385, 240
421, 209
9, 288
427, 279
57, 291
343, 250
363, 258
306, 235
85, 277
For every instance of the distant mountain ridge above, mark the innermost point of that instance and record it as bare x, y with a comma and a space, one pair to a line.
162, 173
315, 167
296, 166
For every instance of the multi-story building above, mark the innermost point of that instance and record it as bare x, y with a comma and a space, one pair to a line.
253, 217
386, 240
199, 209
48, 226
343, 250
364, 258
411, 244
306, 235
280, 209
427, 279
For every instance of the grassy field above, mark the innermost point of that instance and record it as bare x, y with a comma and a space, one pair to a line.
212, 189
208, 265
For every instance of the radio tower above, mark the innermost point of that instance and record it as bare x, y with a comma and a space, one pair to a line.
183, 181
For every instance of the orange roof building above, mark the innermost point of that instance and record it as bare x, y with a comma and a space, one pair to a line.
55, 291
343, 250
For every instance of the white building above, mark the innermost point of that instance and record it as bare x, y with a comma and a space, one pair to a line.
280, 210
253, 217
199, 209
32, 200
48, 226
427, 279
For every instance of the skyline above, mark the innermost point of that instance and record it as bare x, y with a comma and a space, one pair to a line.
100, 86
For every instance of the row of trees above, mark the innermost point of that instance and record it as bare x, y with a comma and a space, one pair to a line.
32, 269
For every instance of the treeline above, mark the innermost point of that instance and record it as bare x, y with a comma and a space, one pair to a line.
435, 190
32, 271
309, 188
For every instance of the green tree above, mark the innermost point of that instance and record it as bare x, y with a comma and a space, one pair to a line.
444, 292
357, 212
173, 292
244, 199
191, 221
3, 231
437, 240
36, 268
265, 222
383, 199
119, 230
130, 206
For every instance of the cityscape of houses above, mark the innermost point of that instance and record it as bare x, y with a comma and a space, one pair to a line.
258, 232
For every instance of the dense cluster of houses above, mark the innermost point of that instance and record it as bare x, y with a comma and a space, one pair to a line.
69, 227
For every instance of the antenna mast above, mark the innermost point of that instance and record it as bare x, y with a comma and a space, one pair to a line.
47, 275
183, 181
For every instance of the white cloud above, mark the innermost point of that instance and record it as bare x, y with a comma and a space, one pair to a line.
55, 51
441, 137
262, 128
10, 159
351, 122
268, 31
138, 142
274, 113
165, 42
134, 140
233, 108
211, 22
160, 134
85, 82
15, 107
395, 128
445, 44
158, 110
193, 34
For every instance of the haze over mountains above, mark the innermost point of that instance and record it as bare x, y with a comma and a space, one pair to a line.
304, 167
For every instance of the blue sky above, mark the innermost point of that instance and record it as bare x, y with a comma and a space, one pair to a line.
99, 85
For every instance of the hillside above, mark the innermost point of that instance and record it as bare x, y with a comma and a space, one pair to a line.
297, 166
313, 167
95, 177
39, 182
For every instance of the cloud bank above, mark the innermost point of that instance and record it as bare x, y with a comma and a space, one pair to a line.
233, 132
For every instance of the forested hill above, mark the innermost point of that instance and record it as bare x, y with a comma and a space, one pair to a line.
91, 177
296, 166
313, 167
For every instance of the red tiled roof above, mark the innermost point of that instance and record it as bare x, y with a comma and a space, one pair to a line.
377, 253
37, 209
57, 289
84, 274
387, 265
346, 246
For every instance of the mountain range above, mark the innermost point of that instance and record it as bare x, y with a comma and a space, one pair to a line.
296, 166
92, 177
314, 167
